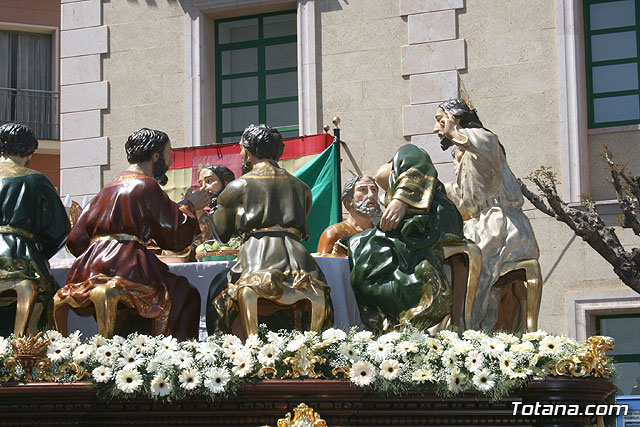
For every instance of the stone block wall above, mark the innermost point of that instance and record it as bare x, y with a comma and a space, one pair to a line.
83, 96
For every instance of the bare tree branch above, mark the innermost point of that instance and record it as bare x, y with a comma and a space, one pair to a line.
587, 224
626, 203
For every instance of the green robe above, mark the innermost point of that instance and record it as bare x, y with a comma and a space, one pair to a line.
269, 208
398, 275
33, 227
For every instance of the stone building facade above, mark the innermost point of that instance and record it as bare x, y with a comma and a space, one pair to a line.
382, 66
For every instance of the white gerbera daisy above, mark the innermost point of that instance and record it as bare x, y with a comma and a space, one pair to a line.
232, 350
507, 338
333, 335
252, 342
523, 347
380, 350
483, 380
98, 340
456, 381
390, 369
58, 351
53, 336
461, 346
448, 335
74, 339
228, 340
129, 356
101, 374
348, 350
296, 343
189, 379
493, 347
216, 379
390, 337
242, 365
435, 346
160, 386
143, 344
474, 360
403, 348
168, 344
533, 336
422, 375
473, 335
363, 336
82, 353
182, 359
507, 363
119, 340
128, 380
449, 359
268, 355
550, 345
206, 352
275, 339
107, 355
362, 373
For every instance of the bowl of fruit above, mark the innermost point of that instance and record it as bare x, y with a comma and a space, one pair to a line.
212, 251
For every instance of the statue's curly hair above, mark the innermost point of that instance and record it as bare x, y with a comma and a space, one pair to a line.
17, 140
263, 141
141, 144
460, 110
349, 188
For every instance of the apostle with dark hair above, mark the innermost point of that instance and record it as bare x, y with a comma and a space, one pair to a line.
269, 208
360, 199
111, 236
489, 198
213, 179
33, 225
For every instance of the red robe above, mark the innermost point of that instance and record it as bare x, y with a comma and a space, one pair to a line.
135, 205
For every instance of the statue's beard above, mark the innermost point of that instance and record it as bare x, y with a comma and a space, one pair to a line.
373, 212
246, 167
160, 169
26, 164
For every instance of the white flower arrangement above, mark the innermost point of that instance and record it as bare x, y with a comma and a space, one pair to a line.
405, 360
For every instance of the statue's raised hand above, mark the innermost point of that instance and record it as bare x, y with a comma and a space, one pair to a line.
197, 196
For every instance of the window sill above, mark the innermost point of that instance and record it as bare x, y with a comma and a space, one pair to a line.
603, 207
613, 129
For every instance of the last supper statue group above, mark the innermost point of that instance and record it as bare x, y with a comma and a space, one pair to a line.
405, 258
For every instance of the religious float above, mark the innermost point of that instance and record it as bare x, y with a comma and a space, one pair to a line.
426, 365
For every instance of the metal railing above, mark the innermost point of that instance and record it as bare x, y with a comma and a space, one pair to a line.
37, 109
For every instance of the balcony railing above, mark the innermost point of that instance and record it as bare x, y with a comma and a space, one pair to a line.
37, 109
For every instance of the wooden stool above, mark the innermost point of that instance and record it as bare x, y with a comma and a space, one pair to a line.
527, 270
27, 310
105, 300
459, 255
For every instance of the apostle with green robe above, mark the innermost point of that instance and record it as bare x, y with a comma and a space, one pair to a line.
397, 272
33, 223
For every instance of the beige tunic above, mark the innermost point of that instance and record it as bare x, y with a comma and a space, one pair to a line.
490, 200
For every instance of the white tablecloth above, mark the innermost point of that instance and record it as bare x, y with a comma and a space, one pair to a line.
200, 274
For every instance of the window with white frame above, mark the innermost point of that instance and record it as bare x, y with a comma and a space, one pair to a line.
27, 84
612, 38
625, 329
256, 74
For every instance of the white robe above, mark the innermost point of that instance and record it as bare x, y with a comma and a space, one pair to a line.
490, 200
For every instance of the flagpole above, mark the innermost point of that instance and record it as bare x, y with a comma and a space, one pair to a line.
336, 142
